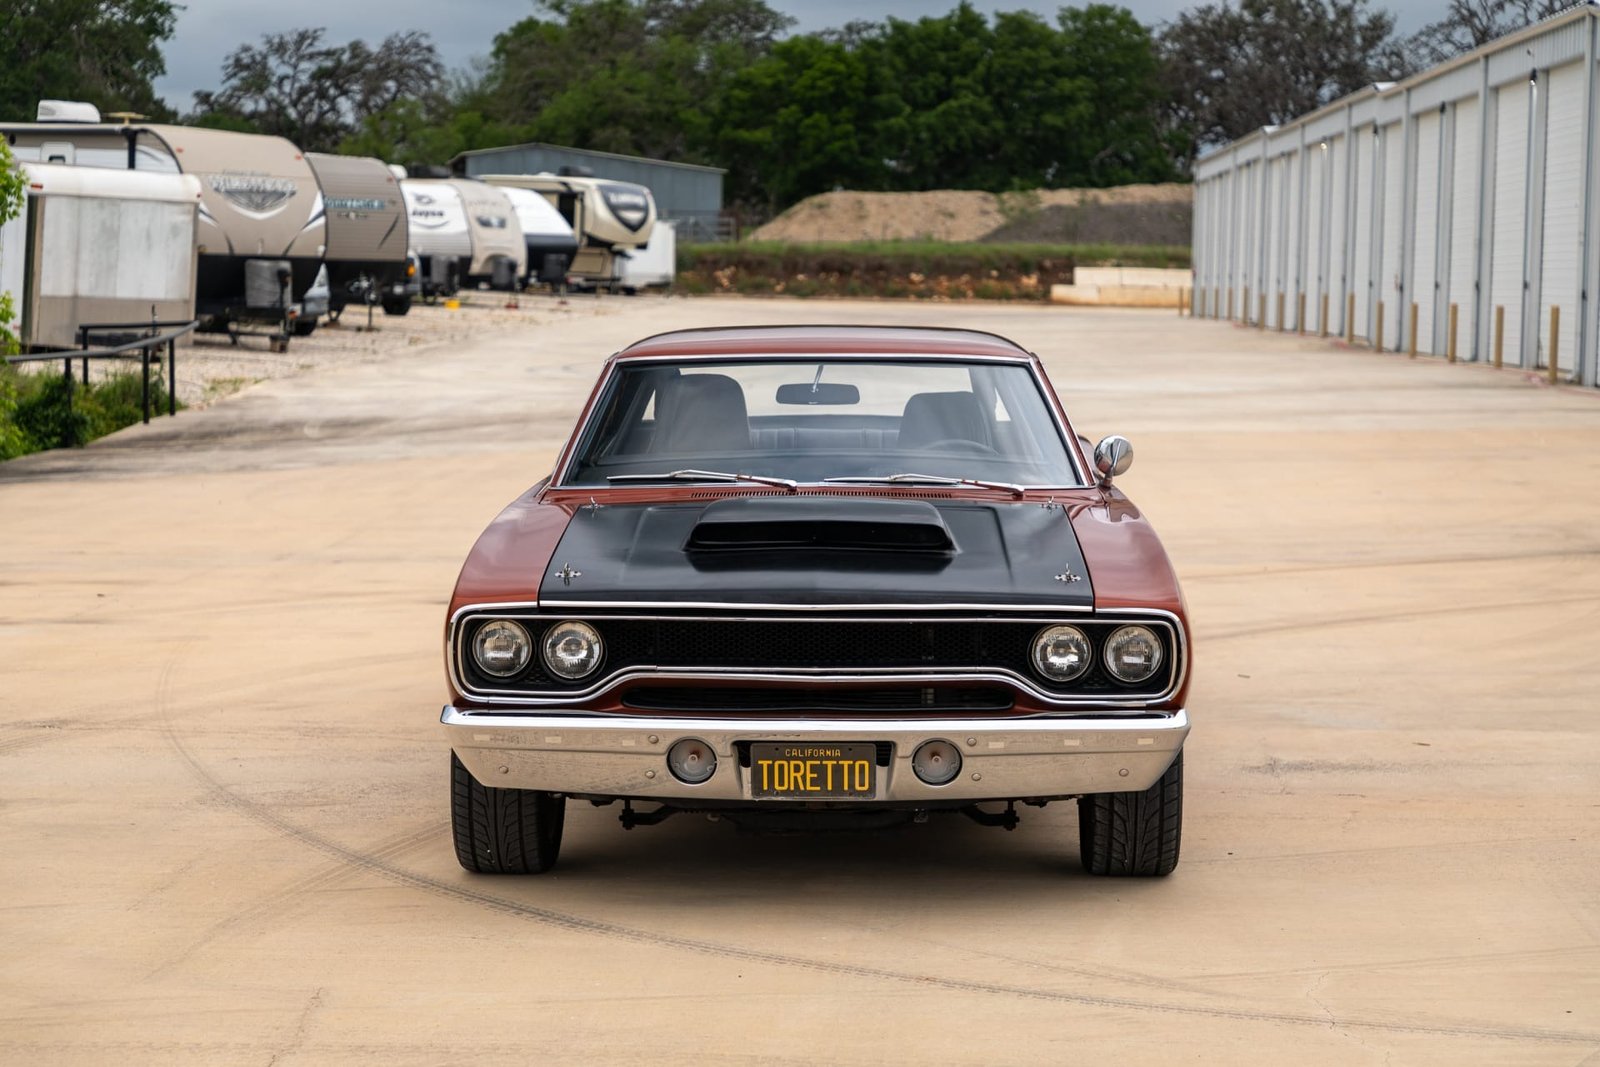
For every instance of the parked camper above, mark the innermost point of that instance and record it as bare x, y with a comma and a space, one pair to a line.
609, 218
499, 256
98, 247
262, 226
550, 241
439, 234
656, 264
367, 231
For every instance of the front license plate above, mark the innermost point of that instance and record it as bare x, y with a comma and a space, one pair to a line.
813, 771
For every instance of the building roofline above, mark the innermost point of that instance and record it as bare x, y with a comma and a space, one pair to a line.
591, 152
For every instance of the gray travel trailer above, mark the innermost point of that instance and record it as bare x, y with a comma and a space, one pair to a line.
262, 223
95, 247
367, 231
550, 241
499, 256
610, 219
439, 236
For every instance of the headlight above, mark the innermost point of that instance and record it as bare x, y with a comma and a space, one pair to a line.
1061, 653
1133, 654
501, 648
572, 649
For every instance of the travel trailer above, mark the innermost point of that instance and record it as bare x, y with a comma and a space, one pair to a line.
550, 241
610, 219
367, 231
499, 256
654, 265
439, 236
96, 247
262, 222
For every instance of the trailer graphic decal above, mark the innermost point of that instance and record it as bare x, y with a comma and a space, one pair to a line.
257, 194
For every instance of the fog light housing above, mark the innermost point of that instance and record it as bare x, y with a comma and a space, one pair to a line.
936, 762
691, 761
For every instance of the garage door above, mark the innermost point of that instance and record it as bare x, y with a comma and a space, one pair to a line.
1364, 147
1563, 205
1335, 251
1388, 287
1425, 230
1316, 223
1510, 191
1463, 208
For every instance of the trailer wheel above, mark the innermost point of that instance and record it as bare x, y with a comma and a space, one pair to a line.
397, 305
304, 327
278, 344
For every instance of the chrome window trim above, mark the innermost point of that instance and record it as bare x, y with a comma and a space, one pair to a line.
1068, 443
454, 650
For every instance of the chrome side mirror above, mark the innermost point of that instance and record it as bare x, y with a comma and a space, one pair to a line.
1112, 456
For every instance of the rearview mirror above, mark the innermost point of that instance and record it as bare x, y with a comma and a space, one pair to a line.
1112, 456
818, 393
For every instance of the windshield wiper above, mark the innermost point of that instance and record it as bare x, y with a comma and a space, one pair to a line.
927, 479
705, 476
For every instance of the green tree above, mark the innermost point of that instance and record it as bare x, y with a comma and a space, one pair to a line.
1467, 24
106, 52
1231, 70
12, 184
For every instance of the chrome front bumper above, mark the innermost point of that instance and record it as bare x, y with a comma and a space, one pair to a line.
1002, 759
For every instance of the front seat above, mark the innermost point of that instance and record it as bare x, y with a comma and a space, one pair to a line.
702, 413
931, 417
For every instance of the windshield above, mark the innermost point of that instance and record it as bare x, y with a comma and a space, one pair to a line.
812, 420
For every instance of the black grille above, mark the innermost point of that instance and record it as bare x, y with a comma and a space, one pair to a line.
924, 698
842, 645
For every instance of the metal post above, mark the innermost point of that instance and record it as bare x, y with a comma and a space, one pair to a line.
172, 376
71, 438
1230, 302
1280, 311
1377, 339
1350, 318
1453, 310
1244, 307
1323, 331
144, 357
1555, 341
1216, 301
1261, 318
1499, 334
1300, 314
1412, 333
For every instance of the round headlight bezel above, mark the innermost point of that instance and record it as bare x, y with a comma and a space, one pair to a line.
1121, 634
553, 637
1052, 633
517, 633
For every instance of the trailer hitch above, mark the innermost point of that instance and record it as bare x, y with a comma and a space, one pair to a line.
1006, 820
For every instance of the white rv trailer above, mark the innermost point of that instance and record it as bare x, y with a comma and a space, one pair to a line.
439, 236
499, 255
550, 241
367, 231
261, 211
96, 247
656, 264
610, 218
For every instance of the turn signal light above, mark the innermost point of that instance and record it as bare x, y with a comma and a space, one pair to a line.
936, 762
691, 761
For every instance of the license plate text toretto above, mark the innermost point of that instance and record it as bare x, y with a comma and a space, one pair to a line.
813, 771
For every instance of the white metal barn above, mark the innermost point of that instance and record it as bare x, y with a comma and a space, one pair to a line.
1464, 196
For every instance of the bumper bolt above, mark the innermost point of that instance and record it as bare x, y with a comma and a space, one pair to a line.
971, 741
976, 777
654, 739
505, 770
649, 774
1123, 773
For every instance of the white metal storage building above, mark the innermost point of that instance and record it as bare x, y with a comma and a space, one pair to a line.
1467, 191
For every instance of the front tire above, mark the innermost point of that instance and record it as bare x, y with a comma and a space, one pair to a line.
1133, 834
396, 305
503, 831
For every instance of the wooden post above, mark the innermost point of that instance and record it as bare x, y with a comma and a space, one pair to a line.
1180, 301
1280, 310
1216, 301
1323, 332
1350, 319
1244, 306
1261, 318
1412, 333
1230, 303
1377, 339
1499, 333
1555, 342
1300, 314
1453, 310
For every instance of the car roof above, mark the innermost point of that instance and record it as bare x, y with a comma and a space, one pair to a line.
838, 341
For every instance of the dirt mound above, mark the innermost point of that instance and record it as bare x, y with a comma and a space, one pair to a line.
965, 215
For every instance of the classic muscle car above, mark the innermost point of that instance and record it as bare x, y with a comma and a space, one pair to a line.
802, 576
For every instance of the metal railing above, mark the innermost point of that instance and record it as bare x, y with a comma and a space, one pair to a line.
162, 333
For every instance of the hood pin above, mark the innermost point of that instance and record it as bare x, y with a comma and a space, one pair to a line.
567, 573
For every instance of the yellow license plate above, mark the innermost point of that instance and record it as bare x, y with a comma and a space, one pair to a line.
813, 771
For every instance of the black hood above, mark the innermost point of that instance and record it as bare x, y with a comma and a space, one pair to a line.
819, 550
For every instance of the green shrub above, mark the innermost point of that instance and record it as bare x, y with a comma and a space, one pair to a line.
35, 414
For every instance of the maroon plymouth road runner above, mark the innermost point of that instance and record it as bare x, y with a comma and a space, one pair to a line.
803, 577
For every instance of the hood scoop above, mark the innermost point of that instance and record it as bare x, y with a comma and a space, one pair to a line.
756, 524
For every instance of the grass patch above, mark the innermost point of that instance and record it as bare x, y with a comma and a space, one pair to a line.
38, 411
938, 270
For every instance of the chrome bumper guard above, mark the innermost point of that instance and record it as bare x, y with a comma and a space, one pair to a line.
1002, 759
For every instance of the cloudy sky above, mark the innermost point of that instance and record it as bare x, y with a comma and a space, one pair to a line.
464, 29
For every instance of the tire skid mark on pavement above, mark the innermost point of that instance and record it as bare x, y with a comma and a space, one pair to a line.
464, 893
1579, 552
1398, 615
